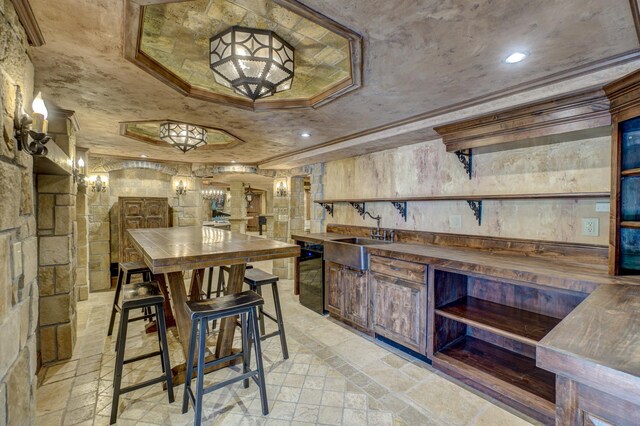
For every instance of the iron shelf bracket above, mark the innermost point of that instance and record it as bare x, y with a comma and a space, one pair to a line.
476, 207
360, 208
401, 206
466, 158
328, 207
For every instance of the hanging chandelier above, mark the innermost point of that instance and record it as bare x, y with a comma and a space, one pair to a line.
183, 136
255, 63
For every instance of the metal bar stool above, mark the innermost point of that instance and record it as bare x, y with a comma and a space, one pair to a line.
136, 296
126, 270
203, 311
256, 278
221, 284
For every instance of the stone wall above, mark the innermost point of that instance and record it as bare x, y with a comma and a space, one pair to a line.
134, 179
18, 241
427, 169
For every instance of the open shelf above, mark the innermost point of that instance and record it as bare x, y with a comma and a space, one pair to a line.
517, 324
630, 224
574, 195
631, 172
501, 370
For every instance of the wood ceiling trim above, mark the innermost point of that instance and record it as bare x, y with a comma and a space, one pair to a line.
29, 22
587, 110
556, 78
124, 131
133, 23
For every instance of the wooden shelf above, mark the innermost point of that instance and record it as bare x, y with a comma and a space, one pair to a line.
575, 195
517, 324
504, 372
630, 224
631, 172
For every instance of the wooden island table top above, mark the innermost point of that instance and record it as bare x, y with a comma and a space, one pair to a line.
172, 251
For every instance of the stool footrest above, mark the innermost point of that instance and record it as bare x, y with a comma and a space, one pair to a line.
222, 360
150, 382
272, 318
143, 317
272, 334
250, 374
141, 357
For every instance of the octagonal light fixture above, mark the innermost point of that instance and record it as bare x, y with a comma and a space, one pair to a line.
255, 63
183, 136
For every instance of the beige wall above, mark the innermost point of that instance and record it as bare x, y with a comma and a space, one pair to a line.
427, 169
18, 241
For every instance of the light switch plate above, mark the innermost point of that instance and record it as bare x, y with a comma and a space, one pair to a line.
455, 221
603, 207
590, 226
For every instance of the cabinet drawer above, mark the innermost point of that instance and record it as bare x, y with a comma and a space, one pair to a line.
415, 272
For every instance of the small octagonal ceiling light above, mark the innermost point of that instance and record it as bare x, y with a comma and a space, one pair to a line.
515, 57
183, 136
305, 134
255, 63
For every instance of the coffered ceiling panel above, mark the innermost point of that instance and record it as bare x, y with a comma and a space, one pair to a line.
419, 57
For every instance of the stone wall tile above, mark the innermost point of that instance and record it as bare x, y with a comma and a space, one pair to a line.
55, 250
26, 197
10, 188
5, 277
20, 406
54, 309
64, 218
65, 200
65, 341
63, 279
30, 259
10, 338
46, 211
46, 280
48, 344
54, 184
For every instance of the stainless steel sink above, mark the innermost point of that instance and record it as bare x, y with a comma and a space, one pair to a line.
351, 252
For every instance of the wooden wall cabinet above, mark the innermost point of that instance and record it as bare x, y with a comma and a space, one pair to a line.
137, 212
624, 238
399, 302
347, 294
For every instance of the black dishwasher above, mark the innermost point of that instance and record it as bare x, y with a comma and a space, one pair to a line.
311, 270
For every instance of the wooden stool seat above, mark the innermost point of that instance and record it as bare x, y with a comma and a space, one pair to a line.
145, 295
203, 311
256, 278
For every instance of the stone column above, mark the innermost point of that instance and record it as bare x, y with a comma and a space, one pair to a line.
318, 213
82, 220
99, 239
238, 208
281, 229
296, 213
57, 266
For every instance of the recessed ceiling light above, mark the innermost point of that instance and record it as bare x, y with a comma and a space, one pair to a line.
233, 161
515, 57
305, 134
143, 156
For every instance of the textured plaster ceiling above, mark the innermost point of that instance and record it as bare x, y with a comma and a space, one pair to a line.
419, 56
176, 35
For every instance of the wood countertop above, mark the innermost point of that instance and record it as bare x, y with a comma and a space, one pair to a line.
195, 247
598, 344
565, 273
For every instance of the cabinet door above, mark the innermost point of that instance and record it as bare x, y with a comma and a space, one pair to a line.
356, 296
400, 311
333, 288
155, 213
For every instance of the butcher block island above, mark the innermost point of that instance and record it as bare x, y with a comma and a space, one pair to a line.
477, 308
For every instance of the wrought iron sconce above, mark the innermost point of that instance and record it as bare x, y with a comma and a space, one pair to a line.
98, 185
281, 190
79, 174
181, 188
248, 195
34, 128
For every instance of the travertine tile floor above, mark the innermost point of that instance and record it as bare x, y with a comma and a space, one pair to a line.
333, 376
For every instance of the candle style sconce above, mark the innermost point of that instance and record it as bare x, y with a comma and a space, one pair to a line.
181, 188
98, 185
281, 190
34, 128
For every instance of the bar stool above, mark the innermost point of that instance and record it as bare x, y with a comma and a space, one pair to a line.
203, 311
126, 271
136, 296
220, 287
256, 278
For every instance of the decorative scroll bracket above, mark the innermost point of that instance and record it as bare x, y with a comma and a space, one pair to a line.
360, 208
466, 158
328, 207
476, 207
401, 206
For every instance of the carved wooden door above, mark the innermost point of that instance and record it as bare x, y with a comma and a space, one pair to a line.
136, 212
333, 288
253, 212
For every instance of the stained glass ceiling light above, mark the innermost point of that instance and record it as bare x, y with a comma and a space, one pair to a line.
183, 136
255, 63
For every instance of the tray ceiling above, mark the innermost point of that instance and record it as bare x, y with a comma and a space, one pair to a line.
419, 58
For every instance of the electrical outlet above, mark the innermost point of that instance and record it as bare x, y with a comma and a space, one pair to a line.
455, 221
603, 207
590, 226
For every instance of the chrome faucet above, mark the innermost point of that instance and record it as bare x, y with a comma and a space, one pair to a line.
377, 234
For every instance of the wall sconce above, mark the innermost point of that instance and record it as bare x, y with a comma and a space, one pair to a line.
32, 127
181, 188
248, 195
281, 190
79, 174
97, 185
